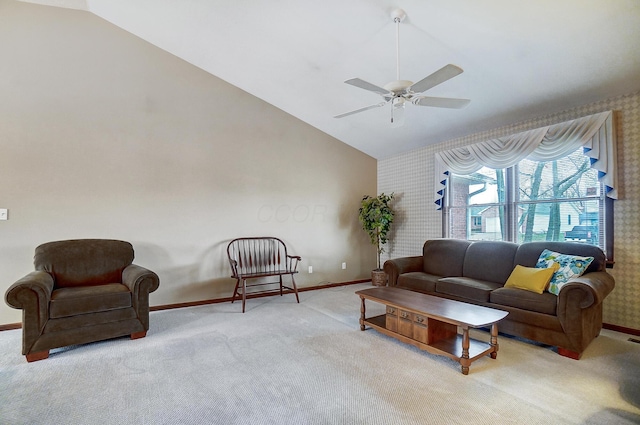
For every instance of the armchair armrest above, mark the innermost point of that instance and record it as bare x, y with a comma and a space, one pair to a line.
397, 266
34, 287
138, 279
140, 282
32, 294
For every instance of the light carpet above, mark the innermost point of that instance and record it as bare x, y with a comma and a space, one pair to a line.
309, 363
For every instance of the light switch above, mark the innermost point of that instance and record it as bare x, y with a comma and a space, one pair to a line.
4, 214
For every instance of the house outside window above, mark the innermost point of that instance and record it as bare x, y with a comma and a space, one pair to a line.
530, 201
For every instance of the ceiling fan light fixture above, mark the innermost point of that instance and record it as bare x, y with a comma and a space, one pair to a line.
399, 102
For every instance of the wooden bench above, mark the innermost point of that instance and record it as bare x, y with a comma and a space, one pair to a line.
258, 258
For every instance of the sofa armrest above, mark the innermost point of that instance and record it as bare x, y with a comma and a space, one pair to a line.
32, 294
594, 287
397, 266
578, 295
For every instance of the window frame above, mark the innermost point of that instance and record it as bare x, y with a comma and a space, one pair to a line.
511, 205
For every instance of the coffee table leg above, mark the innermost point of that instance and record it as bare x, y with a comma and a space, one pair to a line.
494, 340
464, 361
362, 311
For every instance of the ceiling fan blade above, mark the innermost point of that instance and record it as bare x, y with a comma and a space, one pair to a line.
441, 102
368, 86
377, 105
440, 76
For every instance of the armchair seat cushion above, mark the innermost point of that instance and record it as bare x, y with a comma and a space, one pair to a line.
73, 301
526, 300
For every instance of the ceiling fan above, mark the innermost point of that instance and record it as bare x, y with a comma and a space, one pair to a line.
399, 92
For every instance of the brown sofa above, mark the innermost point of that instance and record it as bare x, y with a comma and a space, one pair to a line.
476, 271
81, 291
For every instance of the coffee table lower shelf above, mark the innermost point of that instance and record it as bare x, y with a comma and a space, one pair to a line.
432, 323
450, 347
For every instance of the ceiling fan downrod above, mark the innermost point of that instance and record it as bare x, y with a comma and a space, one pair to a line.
398, 16
397, 105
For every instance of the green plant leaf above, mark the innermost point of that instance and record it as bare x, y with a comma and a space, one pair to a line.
376, 217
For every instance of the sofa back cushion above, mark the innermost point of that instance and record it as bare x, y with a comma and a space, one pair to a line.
444, 257
84, 262
489, 260
529, 253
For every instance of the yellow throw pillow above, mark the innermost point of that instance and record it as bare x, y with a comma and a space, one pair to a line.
530, 278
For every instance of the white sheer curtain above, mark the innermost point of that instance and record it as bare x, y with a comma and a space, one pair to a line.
595, 133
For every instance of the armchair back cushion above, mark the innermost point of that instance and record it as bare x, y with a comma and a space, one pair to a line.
74, 263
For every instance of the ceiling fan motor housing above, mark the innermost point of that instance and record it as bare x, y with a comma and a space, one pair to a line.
399, 87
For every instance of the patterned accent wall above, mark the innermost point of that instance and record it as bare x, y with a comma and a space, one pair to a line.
410, 177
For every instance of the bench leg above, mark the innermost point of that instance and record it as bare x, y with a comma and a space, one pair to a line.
295, 288
244, 293
235, 291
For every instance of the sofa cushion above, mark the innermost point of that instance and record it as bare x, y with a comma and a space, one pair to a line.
531, 278
526, 300
444, 257
88, 299
472, 289
570, 266
418, 281
489, 261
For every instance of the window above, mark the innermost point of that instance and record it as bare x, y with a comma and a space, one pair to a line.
551, 183
531, 201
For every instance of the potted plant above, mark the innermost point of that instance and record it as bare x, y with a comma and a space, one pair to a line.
376, 216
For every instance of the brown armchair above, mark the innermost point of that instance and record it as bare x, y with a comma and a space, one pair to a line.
81, 291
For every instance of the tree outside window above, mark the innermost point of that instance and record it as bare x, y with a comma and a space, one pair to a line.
532, 201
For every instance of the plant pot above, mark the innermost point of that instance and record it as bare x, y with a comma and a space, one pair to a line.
378, 278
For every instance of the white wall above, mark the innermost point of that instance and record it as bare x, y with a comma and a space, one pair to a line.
104, 135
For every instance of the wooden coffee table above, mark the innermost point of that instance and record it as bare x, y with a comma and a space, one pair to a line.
431, 323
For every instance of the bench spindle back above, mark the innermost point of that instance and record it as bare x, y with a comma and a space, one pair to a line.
258, 256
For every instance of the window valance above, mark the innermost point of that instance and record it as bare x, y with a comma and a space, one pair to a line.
595, 133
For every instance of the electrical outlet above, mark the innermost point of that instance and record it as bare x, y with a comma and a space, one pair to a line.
310, 269
4, 214
344, 266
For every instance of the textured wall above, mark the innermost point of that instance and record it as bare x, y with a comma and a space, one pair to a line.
410, 176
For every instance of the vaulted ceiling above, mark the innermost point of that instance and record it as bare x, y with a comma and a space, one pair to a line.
520, 59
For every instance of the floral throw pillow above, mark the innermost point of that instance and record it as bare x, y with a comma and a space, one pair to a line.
570, 266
